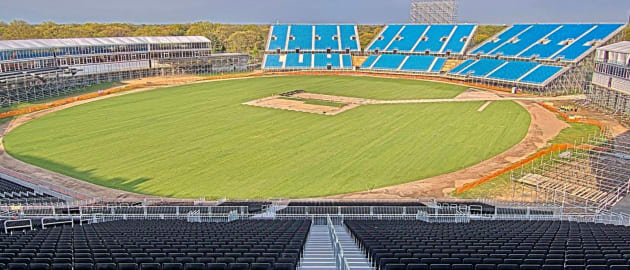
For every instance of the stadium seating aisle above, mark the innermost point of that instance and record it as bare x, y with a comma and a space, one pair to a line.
155, 245
547, 41
493, 245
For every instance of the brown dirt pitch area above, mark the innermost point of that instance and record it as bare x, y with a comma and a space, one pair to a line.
299, 102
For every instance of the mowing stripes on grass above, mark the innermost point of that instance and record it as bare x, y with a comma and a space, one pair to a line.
199, 141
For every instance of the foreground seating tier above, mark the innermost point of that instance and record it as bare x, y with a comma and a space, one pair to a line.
496, 245
159, 245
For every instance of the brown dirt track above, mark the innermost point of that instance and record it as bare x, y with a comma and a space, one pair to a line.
544, 126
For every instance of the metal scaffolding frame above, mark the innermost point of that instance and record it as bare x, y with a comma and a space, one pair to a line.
594, 175
434, 11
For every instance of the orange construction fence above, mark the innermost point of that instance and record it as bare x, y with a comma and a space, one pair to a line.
553, 148
567, 118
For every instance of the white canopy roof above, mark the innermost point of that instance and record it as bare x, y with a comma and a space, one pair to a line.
621, 47
75, 42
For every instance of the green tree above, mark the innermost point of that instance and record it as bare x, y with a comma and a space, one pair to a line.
19, 29
484, 32
244, 41
627, 33
367, 33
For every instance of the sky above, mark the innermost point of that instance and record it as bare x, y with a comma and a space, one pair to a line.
305, 11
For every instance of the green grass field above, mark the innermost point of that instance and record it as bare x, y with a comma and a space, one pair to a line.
199, 140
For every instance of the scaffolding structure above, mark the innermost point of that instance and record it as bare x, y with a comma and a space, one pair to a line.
32, 70
595, 173
434, 11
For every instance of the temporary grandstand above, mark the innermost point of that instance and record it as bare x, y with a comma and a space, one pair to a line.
36, 69
547, 59
306, 46
610, 89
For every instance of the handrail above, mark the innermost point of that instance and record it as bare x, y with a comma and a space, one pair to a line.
341, 263
6, 223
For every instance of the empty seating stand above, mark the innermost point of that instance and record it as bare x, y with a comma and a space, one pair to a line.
349, 207
407, 63
422, 38
493, 245
306, 61
309, 38
252, 206
568, 42
510, 71
16, 193
158, 245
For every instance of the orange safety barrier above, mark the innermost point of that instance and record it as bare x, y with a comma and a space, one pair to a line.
553, 148
566, 117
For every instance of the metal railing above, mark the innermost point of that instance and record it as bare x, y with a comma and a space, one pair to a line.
341, 262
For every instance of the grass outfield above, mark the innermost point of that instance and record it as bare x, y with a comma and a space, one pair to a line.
199, 140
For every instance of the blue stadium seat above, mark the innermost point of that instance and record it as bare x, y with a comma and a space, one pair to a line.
554, 41
298, 60
482, 67
461, 66
272, 61
513, 70
407, 38
439, 63
301, 37
381, 41
389, 61
327, 37
503, 37
418, 63
436, 37
349, 37
322, 60
580, 46
278, 39
458, 40
525, 39
369, 61
346, 60
541, 74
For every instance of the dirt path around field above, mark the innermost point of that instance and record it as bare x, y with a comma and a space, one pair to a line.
544, 126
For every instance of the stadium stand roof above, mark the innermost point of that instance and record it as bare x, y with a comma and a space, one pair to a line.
621, 47
70, 42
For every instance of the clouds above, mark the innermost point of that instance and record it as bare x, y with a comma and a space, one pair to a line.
306, 11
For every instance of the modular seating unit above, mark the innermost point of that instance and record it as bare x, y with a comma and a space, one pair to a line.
11, 191
424, 63
308, 61
435, 38
308, 38
389, 61
158, 245
300, 37
336, 207
272, 61
278, 38
567, 42
512, 71
420, 38
298, 60
326, 37
383, 40
252, 206
349, 37
493, 245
